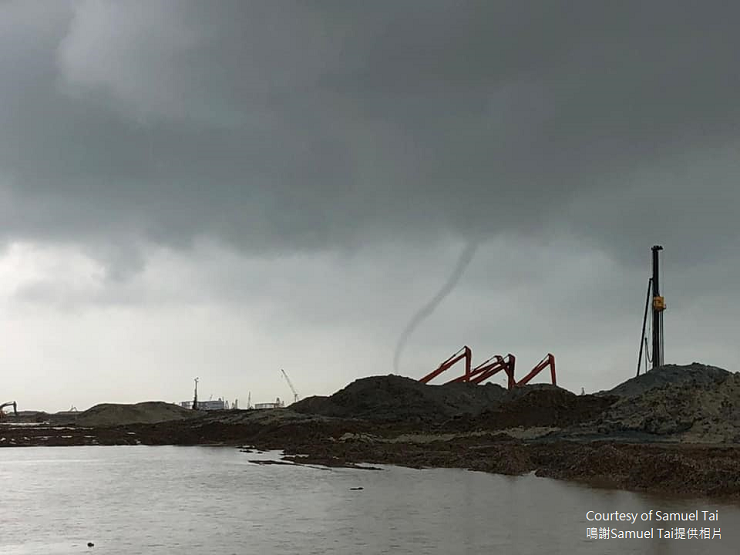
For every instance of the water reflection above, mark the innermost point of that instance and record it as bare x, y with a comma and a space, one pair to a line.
157, 500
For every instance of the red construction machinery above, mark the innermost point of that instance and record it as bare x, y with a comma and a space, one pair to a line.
490, 367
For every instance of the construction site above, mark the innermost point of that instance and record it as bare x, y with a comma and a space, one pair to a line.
667, 428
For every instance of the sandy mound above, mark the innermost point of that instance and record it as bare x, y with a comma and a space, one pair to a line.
395, 398
694, 411
692, 375
108, 414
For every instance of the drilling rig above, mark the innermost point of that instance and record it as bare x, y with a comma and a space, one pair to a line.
658, 306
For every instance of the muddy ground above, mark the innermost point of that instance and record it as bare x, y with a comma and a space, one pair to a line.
670, 432
708, 470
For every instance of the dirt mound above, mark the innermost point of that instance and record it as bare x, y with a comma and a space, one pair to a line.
700, 412
680, 471
587, 462
319, 405
694, 403
108, 414
395, 398
539, 406
691, 375
676, 469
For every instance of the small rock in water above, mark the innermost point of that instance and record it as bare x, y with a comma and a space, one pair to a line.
90, 544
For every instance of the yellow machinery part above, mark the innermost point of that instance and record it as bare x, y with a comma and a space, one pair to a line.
659, 304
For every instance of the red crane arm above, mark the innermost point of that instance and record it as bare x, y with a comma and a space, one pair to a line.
463, 353
490, 367
549, 360
507, 365
482, 367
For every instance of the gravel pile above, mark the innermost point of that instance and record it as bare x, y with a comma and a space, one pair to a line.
701, 411
691, 375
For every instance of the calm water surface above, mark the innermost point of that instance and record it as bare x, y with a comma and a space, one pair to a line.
157, 500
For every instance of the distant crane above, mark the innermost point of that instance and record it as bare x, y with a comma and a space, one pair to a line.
287, 379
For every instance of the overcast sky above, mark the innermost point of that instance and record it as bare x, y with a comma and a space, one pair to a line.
225, 188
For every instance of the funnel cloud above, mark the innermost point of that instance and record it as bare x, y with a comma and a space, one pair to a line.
428, 309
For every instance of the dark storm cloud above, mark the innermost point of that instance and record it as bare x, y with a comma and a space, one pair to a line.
281, 126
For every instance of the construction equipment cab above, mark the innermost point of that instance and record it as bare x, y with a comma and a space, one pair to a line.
8, 404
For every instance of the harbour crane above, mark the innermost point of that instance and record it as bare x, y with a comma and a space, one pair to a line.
290, 384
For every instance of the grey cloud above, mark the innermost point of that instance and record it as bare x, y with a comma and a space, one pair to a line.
281, 127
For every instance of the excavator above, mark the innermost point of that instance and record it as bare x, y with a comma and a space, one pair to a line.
8, 404
492, 366
463, 354
548, 361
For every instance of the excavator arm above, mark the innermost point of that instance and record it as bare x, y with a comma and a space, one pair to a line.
486, 371
478, 370
549, 360
9, 404
462, 354
490, 367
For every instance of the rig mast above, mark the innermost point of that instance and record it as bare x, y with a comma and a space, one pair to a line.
658, 306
